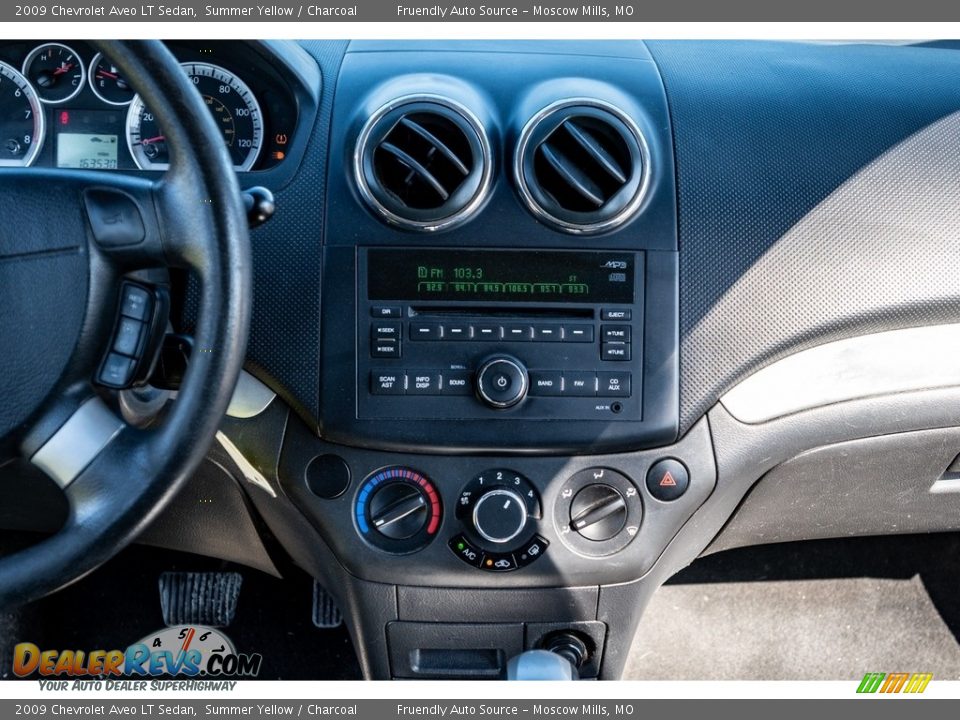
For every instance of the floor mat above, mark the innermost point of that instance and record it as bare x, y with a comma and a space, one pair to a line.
775, 613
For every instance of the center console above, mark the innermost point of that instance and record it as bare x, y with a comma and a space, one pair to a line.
496, 457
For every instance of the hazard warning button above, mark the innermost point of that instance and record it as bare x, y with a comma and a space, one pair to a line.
667, 479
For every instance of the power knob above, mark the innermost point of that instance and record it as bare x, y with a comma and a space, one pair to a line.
500, 515
502, 382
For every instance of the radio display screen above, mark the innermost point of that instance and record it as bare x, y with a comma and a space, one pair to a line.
413, 274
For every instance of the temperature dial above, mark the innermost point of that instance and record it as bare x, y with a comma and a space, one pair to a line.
398, 510
56, 71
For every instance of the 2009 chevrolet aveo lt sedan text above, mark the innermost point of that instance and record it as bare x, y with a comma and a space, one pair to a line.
443, 359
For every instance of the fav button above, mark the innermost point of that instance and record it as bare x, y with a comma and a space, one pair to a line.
667, 479
581, 384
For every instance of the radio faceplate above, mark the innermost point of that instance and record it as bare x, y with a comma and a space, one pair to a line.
506, 334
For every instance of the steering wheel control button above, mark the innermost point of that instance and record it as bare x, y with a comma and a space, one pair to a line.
126, 341
613, 384
598, 512
387, 382
502, 382
117, 370
327, 476
668, 479
134, 302
114, 218
398, 510
500, 515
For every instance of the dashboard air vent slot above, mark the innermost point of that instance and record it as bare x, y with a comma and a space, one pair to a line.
581, 166
423, 162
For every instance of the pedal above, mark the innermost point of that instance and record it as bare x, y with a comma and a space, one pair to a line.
326, 614
199, 598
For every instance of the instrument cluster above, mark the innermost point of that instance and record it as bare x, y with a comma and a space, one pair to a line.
65, 105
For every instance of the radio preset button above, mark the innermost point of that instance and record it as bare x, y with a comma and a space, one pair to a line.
547, 333
425, 331
546, 383
487, 332
458, 332
613, 384
518, 333
387, 382
578, 333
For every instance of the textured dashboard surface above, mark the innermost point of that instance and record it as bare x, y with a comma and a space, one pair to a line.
818, 193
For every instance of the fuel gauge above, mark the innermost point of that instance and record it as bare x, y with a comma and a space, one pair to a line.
56, 71
107, 83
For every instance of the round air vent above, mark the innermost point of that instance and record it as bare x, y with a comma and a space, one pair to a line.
582, 166
423, 162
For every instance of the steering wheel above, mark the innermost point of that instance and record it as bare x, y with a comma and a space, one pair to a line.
67, 240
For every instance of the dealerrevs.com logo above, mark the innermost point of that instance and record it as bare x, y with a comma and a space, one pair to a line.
191, 651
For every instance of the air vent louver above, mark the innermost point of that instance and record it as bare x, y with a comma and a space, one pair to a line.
581, 166
423, 163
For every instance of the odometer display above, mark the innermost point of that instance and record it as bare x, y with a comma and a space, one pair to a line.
21, 119
232, 105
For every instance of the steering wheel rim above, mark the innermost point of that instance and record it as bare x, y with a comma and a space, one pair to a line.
195, 220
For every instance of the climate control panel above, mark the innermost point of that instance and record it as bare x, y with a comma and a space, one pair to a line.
398, 510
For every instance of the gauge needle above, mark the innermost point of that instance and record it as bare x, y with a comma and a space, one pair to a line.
150, 141
104, 73
66, 67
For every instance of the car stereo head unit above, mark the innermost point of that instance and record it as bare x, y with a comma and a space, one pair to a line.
517, 334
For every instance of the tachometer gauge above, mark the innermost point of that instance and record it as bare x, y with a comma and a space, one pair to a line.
232, 104
21, 119
56, 71
107, 83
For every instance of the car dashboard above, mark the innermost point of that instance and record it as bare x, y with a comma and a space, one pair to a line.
534, 321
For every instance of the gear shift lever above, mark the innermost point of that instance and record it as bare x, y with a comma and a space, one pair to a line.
561, 659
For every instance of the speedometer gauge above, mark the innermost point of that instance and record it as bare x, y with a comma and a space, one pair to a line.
21, 119
233, 106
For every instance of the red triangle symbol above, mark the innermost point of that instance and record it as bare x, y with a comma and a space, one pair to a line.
668, 480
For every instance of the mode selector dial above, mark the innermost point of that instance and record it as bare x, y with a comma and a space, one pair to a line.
502, 381
500, 515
